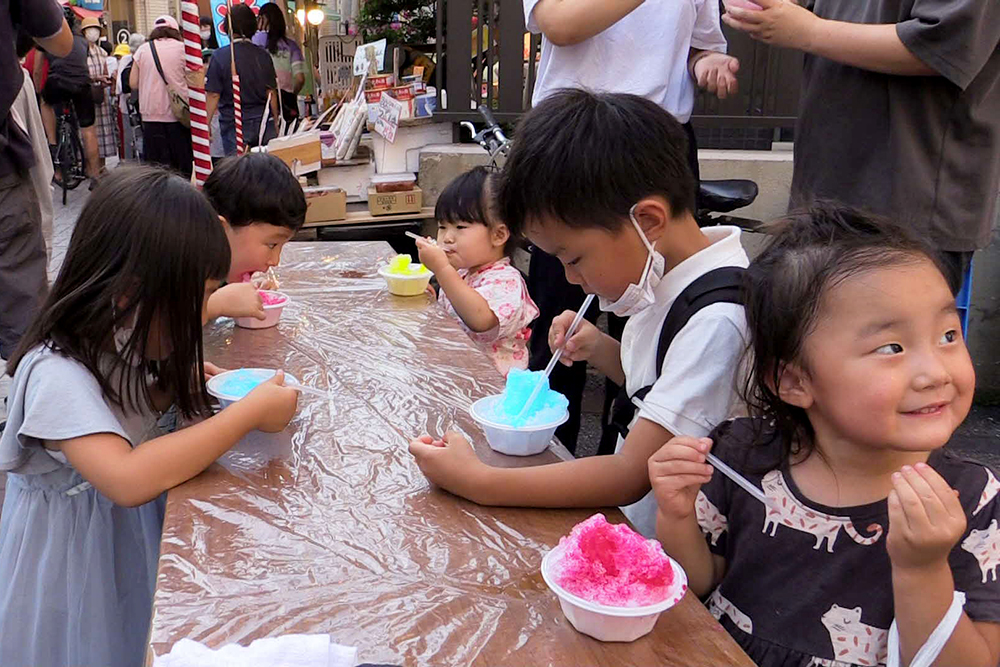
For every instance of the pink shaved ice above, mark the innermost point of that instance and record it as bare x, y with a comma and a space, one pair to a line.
612, 565
270, 299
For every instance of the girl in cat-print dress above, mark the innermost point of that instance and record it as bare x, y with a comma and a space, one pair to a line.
859, 378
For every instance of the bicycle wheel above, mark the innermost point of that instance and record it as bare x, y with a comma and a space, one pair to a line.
79, 175
63, 164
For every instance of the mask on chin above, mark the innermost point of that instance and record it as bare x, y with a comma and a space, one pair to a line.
637, 297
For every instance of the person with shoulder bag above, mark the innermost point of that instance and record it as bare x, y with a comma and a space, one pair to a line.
158, 72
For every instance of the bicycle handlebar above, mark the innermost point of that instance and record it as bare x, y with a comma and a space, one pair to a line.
488, 116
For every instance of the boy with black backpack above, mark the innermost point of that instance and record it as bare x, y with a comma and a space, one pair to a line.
601, 181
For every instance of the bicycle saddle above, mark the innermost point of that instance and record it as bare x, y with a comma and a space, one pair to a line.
726, 196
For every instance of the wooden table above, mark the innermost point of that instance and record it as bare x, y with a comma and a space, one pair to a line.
330, 527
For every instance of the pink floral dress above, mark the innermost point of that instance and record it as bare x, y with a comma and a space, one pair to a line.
504, 289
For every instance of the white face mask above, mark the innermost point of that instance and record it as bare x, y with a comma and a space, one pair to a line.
638, 297
206, 34
92, 34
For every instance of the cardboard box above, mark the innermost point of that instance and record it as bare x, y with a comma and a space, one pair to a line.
394, 203
324, 204
373, 96
380, 81
302, 152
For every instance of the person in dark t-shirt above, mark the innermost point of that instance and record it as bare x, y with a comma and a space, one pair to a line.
899, 110
23, 282
257, 81
69, 82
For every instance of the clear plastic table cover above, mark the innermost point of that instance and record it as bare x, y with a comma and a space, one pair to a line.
330, 526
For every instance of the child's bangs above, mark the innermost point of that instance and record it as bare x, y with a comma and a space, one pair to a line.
464, 200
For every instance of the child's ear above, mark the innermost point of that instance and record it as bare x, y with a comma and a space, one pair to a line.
499, 235
793, 386
653, 214
225, 224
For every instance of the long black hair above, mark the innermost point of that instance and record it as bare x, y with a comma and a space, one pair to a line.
810, 252
275, 25
141, 253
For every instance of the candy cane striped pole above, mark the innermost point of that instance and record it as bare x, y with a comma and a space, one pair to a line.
199, 119
237, 100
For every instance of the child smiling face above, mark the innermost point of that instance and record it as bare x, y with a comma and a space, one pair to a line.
885, 365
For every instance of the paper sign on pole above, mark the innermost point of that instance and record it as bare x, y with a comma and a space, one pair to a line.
366, 54
387, 120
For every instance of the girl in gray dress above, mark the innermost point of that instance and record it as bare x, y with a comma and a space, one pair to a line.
118, 341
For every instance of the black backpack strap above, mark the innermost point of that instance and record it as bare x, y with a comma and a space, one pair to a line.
722, 285
156, 61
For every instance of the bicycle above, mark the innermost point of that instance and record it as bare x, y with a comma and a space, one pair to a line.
68, 161
715, 198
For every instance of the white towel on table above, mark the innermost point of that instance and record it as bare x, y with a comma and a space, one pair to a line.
286, 651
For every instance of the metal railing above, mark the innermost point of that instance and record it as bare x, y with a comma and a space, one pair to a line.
494, 64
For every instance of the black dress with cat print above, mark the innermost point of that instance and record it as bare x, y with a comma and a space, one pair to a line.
807, 584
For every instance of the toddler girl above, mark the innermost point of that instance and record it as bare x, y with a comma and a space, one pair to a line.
117, 342
479, 285
859, 378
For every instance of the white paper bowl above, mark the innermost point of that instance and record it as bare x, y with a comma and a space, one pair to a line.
226, 400
523, 441
401, 285
272, 313
611, 624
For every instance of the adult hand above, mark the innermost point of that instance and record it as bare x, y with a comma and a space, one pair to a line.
716, 73
778, 22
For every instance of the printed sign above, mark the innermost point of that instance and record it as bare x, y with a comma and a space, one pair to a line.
366, 54
219, 12
387, 118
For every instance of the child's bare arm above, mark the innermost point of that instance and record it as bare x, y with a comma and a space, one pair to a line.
926, 519
470, 305
568, 22
131, 477
875, 47
595, 481
236, 300
676, 473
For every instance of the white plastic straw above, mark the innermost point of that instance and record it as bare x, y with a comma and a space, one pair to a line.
309, 390
555, 357
739, 479
417, 237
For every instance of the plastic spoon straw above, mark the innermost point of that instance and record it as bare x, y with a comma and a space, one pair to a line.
555, 357
417, 237
309, 390
739, 479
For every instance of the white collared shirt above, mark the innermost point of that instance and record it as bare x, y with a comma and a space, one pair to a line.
697, 387
645, 53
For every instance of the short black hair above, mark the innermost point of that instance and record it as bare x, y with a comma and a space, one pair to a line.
471, 197
256, 187
586, 158
810, 251
241, 21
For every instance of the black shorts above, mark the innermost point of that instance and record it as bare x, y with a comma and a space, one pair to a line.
55, 95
